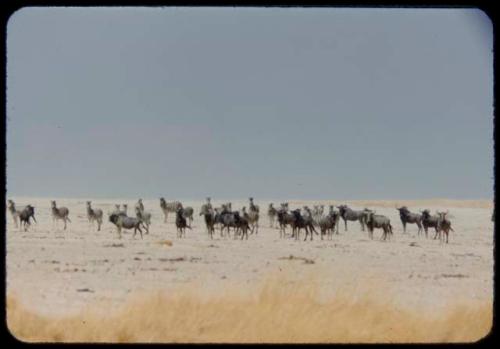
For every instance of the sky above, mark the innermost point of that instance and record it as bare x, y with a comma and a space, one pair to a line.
274, 103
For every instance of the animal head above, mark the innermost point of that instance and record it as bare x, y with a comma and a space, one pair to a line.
442, 215
117, 206
369, 216
402, 209
208, 199
125, 206
162, 200
88, 203
270, 205
113, 218
53, 203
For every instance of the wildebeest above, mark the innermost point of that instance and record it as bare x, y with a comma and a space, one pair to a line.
180, 222
94, 215
188, 213
253, 219
429, 221
378, 221
167, 207
226, 219
59, 213
409, 217
271, 213
24, 216
348, 214
443, 226
14, 213
284, 218
327, 223
125, 222
144, 216
209, 217
300, 222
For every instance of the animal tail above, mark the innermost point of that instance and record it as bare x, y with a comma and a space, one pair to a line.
69, 220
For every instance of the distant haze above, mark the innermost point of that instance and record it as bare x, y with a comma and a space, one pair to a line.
234, 102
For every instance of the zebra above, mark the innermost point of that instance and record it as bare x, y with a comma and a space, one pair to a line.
167, 207
139, 205
59, 213
271, 213
145, 217
15, 213
253, 219
94, 215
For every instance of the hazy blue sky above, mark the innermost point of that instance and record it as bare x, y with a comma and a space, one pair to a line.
274, 103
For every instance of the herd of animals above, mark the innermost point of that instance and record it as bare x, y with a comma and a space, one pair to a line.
224, 218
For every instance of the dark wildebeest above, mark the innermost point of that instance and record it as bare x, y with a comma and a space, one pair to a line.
327, 223
378, 221
444, 226
409, 217
167, 207
124, 222
227, 219
271, 213
188, 212
180, 222
94, 215
429, 221
301, 222
242, 226
24, 216
209, 216
59, 213
284, 218
348, 214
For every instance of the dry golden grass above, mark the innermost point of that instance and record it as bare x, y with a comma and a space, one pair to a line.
277, 312
165, 242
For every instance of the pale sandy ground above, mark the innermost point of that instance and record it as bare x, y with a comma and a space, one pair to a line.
58, 272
